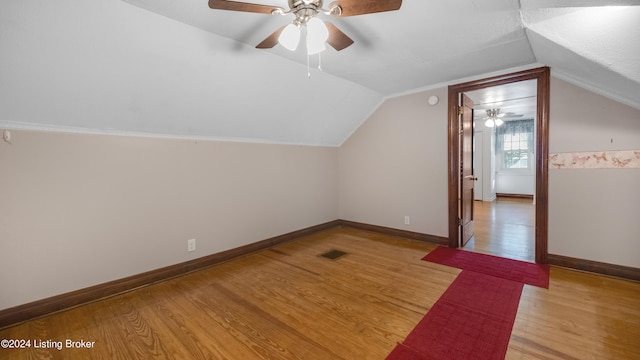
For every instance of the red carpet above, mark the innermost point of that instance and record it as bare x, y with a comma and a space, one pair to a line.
403, 352
474, 317
524, 272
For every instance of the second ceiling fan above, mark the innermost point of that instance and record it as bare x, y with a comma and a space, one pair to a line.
306, 11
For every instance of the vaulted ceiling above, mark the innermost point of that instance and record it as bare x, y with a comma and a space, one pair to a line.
177, 68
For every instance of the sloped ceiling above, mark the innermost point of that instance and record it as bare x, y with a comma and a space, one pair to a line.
177, 68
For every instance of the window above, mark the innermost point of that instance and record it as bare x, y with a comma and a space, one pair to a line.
515, 151
514, 144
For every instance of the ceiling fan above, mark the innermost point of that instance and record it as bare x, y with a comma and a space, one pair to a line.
306, 11
495, 118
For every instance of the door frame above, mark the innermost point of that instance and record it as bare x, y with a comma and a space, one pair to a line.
542, 75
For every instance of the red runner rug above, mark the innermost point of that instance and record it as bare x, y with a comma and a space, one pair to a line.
521, 271
471, 320
474, 317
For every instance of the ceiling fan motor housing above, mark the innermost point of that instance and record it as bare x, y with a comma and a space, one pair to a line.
305, 10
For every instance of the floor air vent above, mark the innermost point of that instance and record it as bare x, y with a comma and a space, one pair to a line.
333, 254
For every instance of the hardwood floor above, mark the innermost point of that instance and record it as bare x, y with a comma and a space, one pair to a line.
504, 227
290, 303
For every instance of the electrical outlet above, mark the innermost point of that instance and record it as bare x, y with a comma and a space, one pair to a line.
407, 220
191, 245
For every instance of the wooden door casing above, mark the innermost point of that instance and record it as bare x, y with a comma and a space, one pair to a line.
542, 75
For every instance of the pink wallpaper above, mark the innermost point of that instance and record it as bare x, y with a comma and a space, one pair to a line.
622, 159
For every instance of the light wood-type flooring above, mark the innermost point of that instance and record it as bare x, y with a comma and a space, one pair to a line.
287, 302
504, 227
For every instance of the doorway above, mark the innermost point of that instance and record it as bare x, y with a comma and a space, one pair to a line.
504, 170
459, 203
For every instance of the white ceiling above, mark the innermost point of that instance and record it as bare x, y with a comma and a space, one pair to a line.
516, 101
178, 68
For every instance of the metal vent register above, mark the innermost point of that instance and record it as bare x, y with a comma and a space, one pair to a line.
333, 254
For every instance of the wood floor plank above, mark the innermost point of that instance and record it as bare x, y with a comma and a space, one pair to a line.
580, 316
288, 302
504, 227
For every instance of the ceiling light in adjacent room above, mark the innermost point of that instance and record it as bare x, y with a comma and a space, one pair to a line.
493, 118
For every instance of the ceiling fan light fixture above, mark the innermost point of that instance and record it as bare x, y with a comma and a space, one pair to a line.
493, 113
494, 118
315, 48
317, 35
290, 37
304, 11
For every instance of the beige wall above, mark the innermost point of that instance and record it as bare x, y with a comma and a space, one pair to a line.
594, 214
395, 165
79, 210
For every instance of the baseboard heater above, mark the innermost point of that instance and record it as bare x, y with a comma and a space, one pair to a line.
515, 196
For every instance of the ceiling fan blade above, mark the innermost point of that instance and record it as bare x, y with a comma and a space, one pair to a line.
271, 40
240, 6
337, 39
360, 7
